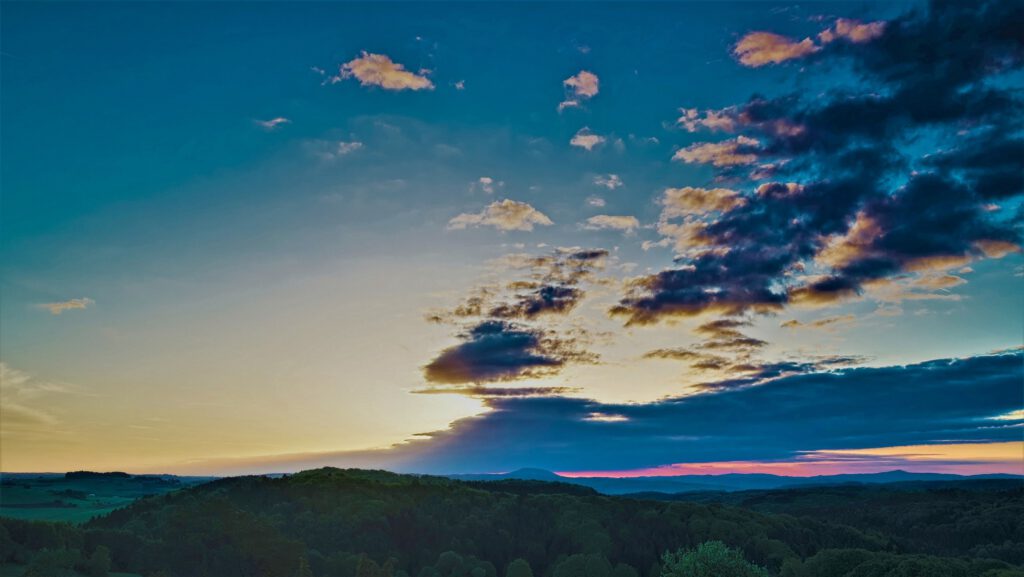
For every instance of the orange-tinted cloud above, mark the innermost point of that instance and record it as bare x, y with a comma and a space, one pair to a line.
586, 139
379, 70
59, 307
852, 30
761, 48
582, 86
735, 151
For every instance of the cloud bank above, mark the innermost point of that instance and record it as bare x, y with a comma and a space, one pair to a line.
969, 400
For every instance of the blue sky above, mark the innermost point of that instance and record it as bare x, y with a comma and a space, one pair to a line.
228, 286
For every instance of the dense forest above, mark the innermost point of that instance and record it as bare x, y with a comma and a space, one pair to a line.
350, 523
975, 518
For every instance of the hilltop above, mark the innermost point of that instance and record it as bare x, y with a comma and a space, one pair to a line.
348, 523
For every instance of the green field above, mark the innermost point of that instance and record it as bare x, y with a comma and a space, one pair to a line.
77, 499
14, 570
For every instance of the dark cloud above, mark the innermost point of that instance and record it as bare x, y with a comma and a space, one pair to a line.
730, 284
723, 328
756, 373
891, 176
588, 255
502, 342
545, 299
678, 354
738, 343
551, 286
501, 351
848, 408
934, 402
737, 361
731, 350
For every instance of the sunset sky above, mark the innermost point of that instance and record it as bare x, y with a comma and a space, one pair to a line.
623, 239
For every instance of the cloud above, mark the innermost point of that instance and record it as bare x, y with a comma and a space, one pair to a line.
503, 215
864, 206
568, 104
735, 151
549, 298
59, 307
582, 86
27, 403
331, 150
585, 84
611, 181
853, 31
761, 48
550, 284
586, 139
273, 123
595, 201
484, 392
692, 205
714, 120
380, 70
822, 323
502, 342
487, 184
723, 328
929, 403
501, 351
686, 201
627, 224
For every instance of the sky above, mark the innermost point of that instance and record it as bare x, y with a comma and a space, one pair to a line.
603, 239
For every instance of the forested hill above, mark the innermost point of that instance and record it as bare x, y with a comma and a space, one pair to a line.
978, 518
351, 523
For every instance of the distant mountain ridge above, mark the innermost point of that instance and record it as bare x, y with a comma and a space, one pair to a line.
724, 482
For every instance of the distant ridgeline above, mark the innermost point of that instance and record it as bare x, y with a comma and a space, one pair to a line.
352, 523
90, 475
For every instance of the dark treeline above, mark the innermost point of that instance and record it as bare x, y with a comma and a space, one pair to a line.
347, 523
974, 518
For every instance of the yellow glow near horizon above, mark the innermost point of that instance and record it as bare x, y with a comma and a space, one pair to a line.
1010, 451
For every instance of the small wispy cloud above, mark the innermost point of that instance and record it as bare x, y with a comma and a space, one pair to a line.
26, 402
586, 139
626, 224
822, 323
595, 201
273, 123
853, 31
59, 307
330, 150
487, 184
610, 181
